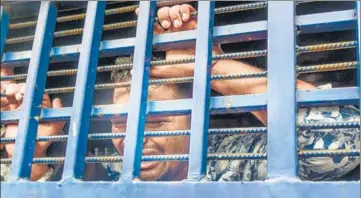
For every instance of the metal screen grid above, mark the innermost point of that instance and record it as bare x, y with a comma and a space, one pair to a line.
281, 93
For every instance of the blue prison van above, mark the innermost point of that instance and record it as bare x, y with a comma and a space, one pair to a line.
104, 82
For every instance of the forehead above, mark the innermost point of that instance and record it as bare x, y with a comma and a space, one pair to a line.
155, 92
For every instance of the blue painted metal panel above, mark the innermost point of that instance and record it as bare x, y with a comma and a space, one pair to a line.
281, 106
218, 105
83, 96
4, 21
201, 92
267, 189
35, 84
139, 91
222, 34
320, 22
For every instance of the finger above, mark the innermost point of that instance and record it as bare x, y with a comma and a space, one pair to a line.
20, 94
186, 11
158, 29
174, 14
46, 101
137, 11
10, 92
163, 17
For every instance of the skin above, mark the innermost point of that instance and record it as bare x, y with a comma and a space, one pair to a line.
172, 19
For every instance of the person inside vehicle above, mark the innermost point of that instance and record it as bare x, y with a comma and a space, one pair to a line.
178, 18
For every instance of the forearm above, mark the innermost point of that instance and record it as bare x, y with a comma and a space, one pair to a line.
244, 86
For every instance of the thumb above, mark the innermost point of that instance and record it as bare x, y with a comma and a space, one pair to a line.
57, 103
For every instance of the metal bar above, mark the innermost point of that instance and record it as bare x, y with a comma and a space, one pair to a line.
33, 96
149, 158
158, 82
222, 34
155, 189
139, 91
281, 105
299, 70
201, 92
218, 105
106, 136
185, 157
224, 131
358, 39
83, 96
4, 21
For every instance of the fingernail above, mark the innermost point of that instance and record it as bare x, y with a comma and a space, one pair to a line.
184, 16
177, 23
165, 24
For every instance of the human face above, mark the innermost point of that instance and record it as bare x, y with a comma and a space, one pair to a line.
157, 170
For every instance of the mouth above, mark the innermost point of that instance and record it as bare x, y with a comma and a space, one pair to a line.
149, 165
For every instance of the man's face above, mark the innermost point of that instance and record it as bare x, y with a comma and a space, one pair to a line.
157, 170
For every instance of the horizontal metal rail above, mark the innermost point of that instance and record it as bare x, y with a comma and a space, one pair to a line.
213, 156
221, 131
219, 105
157, 82
104, 136
126, 24
237, 55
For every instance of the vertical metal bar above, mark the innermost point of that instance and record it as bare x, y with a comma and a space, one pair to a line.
139, 91
201, 92
83, 96
281, 92
4, 29
358, 47
358, 39
35, 84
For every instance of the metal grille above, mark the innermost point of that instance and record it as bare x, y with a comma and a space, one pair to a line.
282, 155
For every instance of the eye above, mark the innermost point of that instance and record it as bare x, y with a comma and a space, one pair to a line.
155, 123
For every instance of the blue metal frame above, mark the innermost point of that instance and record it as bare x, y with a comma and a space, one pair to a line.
4, 21
281, 91
33, 96
201, 92
282, 147
83, 96
267, 189
139, 91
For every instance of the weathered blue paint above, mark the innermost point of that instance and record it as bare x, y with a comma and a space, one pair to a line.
320, 22
201, 92
139, 91
218, 105
83, 96
267, 189
340, 20
33, 96
4, 21
281, 91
